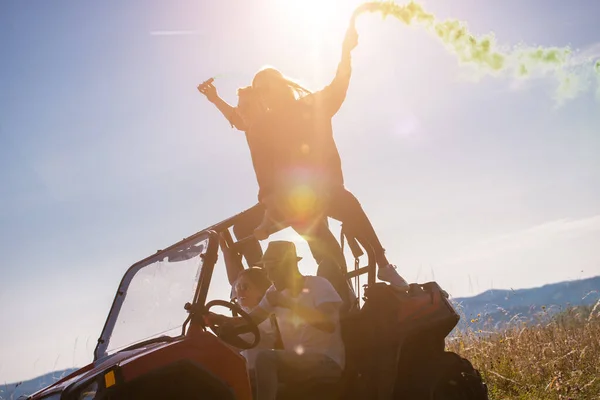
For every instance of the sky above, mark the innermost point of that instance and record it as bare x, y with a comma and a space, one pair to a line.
108, 152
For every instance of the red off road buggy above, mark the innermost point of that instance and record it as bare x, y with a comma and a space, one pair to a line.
156, 344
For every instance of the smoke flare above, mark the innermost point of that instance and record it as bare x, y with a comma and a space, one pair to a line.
482, 51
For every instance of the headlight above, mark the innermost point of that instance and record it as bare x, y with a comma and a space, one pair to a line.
97, 385
89, 392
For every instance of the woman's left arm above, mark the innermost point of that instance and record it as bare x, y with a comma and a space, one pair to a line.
333, 95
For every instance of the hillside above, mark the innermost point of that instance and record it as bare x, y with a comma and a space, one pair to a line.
494, 309
12, 391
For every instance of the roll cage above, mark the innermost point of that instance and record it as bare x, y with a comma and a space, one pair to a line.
205, 244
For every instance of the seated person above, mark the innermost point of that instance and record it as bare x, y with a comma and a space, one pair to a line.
307, 311
249, 287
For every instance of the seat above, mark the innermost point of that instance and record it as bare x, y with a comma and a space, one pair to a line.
325, 388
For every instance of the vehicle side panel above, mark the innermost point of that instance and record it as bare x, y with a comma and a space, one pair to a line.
202, 348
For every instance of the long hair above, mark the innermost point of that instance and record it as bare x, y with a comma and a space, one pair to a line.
246, 98
250, 106
245, 93
274, 74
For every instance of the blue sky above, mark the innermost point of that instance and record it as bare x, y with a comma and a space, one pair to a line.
108, 152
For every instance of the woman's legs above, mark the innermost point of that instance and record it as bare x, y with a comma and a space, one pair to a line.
244, 228
273, 219
345, 207
328, 254
323, 245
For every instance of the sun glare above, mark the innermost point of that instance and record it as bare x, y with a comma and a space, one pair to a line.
317, 16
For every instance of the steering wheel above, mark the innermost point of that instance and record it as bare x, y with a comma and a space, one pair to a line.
231, 335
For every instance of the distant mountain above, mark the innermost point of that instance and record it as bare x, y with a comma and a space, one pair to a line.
495, 308
12, 391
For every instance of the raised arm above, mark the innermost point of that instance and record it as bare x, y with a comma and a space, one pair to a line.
333, 95
208, 89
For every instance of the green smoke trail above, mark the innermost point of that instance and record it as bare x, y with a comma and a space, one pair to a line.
482, 51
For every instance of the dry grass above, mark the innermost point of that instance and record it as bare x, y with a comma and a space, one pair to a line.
555, 359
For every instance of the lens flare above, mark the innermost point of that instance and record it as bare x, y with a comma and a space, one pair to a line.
302, 201
483, 52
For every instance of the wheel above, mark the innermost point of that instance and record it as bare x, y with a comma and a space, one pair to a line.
232, 335
456, 379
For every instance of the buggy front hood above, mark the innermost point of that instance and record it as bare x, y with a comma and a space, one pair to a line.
201, 348
96, 368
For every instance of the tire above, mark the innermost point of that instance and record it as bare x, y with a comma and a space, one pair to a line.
456, 379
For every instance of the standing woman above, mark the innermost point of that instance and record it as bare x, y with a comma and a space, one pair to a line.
299, 125
268, 158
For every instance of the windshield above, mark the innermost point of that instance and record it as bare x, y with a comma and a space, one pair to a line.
152, 296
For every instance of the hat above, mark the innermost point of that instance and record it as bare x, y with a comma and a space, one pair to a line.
278, 250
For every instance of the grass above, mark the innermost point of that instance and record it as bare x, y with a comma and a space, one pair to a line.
551, 358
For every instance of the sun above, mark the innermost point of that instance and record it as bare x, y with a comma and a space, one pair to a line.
317, 16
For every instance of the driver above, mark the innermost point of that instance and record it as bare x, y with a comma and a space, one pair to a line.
307, 311
248, 288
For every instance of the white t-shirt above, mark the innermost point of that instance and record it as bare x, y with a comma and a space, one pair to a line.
296, 334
